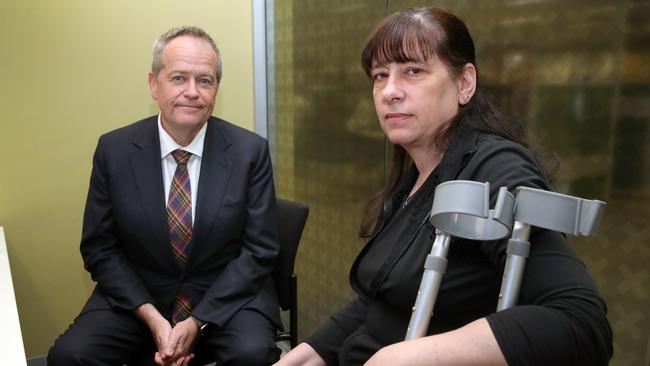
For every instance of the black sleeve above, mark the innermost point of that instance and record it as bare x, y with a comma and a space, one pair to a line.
327, 339
561, 319
240, 281
101, 248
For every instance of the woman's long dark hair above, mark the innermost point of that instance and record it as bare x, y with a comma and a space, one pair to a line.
417, 35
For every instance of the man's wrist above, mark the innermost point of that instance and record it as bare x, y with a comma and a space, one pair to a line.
200, 323
148, 313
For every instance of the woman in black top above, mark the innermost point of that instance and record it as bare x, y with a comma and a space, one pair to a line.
429, 105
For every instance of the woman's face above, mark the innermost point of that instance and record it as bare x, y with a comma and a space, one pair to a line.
414, 100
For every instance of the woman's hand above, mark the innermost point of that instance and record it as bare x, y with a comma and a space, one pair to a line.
302, 355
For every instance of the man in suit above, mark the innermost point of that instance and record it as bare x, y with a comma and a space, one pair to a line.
179, 229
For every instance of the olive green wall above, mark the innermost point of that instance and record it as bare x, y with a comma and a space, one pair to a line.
72, 70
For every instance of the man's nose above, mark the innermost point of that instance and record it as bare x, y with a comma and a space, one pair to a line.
191, 89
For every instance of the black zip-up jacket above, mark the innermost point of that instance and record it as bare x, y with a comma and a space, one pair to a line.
560, 319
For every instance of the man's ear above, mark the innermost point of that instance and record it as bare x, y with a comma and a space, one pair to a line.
153, 86
466, 84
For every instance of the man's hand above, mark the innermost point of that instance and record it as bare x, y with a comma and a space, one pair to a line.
161, 333
160, 328
182, 360
178, 349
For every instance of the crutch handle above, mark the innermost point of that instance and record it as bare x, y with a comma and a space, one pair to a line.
547, 210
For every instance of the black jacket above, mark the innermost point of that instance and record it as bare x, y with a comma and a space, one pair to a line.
561, 318
125, 243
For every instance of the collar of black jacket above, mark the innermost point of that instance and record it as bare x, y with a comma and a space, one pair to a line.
458, 153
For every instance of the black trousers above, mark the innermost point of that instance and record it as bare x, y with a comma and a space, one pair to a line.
116, 338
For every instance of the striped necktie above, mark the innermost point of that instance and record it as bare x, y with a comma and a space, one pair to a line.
179, 218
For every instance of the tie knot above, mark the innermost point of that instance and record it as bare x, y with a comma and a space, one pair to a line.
181, 156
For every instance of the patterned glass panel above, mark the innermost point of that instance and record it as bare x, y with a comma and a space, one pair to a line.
329, 147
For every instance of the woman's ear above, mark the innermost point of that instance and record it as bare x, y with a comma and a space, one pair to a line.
466, 84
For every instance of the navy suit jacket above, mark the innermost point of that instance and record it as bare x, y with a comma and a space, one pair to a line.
125, 241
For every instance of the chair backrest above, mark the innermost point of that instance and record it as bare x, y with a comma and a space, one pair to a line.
291, 221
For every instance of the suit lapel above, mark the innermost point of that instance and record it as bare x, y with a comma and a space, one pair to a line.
147, 173
216, 166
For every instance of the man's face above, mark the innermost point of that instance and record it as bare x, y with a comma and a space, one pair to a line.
186, 86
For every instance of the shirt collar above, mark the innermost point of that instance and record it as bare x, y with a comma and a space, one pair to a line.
167, 143
463, 144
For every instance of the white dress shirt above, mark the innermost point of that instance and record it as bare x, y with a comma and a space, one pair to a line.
167, 145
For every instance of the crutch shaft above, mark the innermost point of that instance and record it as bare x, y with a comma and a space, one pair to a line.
434, 268
518, 249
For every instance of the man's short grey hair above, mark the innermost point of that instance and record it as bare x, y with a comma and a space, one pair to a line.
161, 42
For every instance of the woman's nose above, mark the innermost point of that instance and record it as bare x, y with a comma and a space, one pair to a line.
393, 90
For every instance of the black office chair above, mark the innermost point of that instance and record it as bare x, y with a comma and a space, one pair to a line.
292, 217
